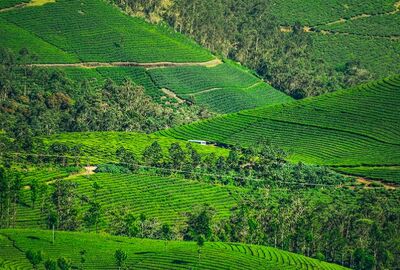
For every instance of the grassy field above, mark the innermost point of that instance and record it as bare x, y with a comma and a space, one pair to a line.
350, 127
92, 30
225, 88
100, 147
146, 254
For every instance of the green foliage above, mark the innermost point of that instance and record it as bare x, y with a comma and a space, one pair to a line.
50, 264
64, 263
35, 258
120, 258
199, 225
111, 168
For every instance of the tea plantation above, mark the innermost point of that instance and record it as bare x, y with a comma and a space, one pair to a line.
100, 147
163, 198
352, 127
364, 31
225, 88
93, 30
144, 253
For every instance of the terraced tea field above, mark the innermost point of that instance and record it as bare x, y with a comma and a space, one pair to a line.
92, 30
339, 49
319, 12
146, 254
389, 174
385, 25
97, 77
11, 3
225, 88
365, 31
163, 198
351, 127
100, 147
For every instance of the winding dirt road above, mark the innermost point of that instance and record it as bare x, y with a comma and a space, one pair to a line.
211, 63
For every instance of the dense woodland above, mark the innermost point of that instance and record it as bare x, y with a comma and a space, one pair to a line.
247, 32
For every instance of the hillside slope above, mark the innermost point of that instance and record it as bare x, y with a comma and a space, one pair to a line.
146, 254
344, 31
93, 40
350, 127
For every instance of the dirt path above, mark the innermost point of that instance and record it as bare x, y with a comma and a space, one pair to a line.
171, 94
89, 170
219, 88
211, 63
367, 183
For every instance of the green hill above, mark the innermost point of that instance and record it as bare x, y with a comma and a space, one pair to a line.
65, 32
146, 254
351, 127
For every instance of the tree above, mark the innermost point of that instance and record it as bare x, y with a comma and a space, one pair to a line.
127, 158
152, 154
120, 258
199, 223
34, 191
64, 263
177, 155
63, 199
10, 189
200, 243
92, 215
122, 222
50, 264
82, 253
35, 258
166, 234
96, 188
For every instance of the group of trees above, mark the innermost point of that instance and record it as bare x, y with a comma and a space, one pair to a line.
36, 101
10, 192
36, 258
247, 31
62, 263
259, 165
